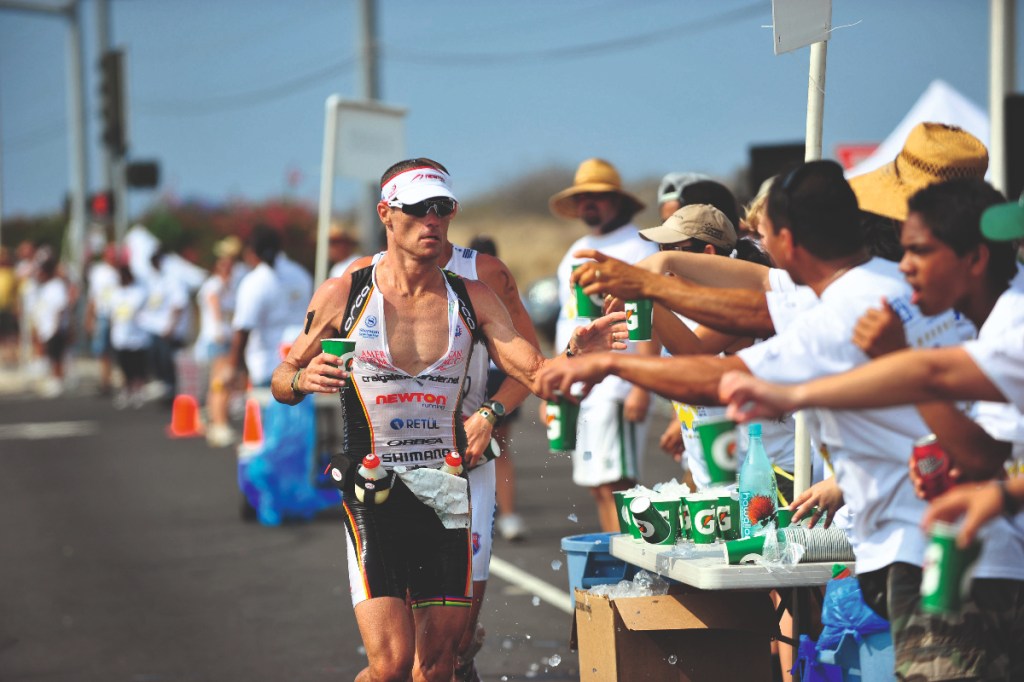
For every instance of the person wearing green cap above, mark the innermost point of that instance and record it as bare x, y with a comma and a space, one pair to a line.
1004, 222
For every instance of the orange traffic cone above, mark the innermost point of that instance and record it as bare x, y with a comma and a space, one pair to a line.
252, 429
185, 418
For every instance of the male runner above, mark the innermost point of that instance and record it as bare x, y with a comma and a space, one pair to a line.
414, 326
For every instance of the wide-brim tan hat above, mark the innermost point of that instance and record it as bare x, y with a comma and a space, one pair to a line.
593, 175
229, 247
933, 153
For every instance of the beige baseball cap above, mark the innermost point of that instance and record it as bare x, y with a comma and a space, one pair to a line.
695, 221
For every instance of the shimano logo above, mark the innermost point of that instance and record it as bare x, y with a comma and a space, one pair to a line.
413, 457
415, 441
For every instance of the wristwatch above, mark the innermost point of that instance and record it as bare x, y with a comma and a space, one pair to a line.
493, 411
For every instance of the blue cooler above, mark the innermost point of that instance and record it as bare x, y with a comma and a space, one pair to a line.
868, 660
591, 563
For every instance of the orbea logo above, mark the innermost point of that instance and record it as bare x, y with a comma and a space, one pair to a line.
412, 398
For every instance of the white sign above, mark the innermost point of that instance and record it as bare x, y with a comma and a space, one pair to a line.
369, 138
798, 23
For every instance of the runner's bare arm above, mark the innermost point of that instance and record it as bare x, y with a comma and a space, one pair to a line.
496, 275
323, 319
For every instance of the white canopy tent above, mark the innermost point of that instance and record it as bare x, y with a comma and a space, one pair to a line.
940, 103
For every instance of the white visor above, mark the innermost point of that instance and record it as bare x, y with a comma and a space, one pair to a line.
416, 184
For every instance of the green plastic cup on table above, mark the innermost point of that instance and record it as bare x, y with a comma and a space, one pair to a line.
703, 518
947, 571
639, 318
562, 415
591, 307
783, 518
345, 349
735, 550
654, 527
718, 440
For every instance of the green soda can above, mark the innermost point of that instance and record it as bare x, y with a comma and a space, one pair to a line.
562, 415
654, 528
591, 307
345, 349
718, 440
639, 318
622, 499
703, 518
729, 516
947, 571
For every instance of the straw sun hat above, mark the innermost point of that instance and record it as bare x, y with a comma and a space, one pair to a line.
593, 175
932, 153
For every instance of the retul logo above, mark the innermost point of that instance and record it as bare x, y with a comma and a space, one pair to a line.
421, 424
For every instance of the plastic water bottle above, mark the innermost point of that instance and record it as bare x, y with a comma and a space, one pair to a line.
452, 464
759, 494
372, 483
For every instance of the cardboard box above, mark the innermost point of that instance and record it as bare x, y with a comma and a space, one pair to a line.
690, 636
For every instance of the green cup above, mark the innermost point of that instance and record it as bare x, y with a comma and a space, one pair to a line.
345, 349
626, 525
948, 570
783, 518
735, 550
685, 531
670, 510
654, 528
639, 316
729, 516
703, 518
591, 307
562, 415
718, 440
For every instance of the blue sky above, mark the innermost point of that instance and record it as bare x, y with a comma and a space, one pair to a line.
228, 95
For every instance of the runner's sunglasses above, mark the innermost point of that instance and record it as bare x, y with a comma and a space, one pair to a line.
442, 206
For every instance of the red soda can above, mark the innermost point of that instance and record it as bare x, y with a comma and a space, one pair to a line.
932, 466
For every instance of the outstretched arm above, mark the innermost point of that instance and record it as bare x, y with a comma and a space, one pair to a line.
734, 311
692, 379
907, 377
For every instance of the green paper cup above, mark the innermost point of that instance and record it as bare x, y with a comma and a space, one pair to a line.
718, 440
626, 525
654, 528
670, 510
947, 572
345, 349
735, 550
703, 518
783, 517
562, 416
639, 315
729, 516
591, 307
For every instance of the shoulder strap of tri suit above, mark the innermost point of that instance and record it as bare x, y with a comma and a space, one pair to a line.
465, 305
358, 295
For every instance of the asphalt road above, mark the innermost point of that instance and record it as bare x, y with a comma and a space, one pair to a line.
123, 557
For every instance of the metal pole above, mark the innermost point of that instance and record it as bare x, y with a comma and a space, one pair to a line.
1001, 80
812, 152
326, 187
371, 237
102, 45
75, 245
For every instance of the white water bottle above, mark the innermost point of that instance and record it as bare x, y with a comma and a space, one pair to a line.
452, 464
372, 483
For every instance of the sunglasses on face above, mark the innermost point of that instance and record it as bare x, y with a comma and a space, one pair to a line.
689, 246
442, 206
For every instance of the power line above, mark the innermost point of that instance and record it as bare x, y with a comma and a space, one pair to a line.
216, 104
575, 51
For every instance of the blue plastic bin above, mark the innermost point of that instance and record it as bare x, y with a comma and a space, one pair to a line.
591, 563
873, 659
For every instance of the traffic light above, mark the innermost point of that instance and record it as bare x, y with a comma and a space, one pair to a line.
112, 101
101, 205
